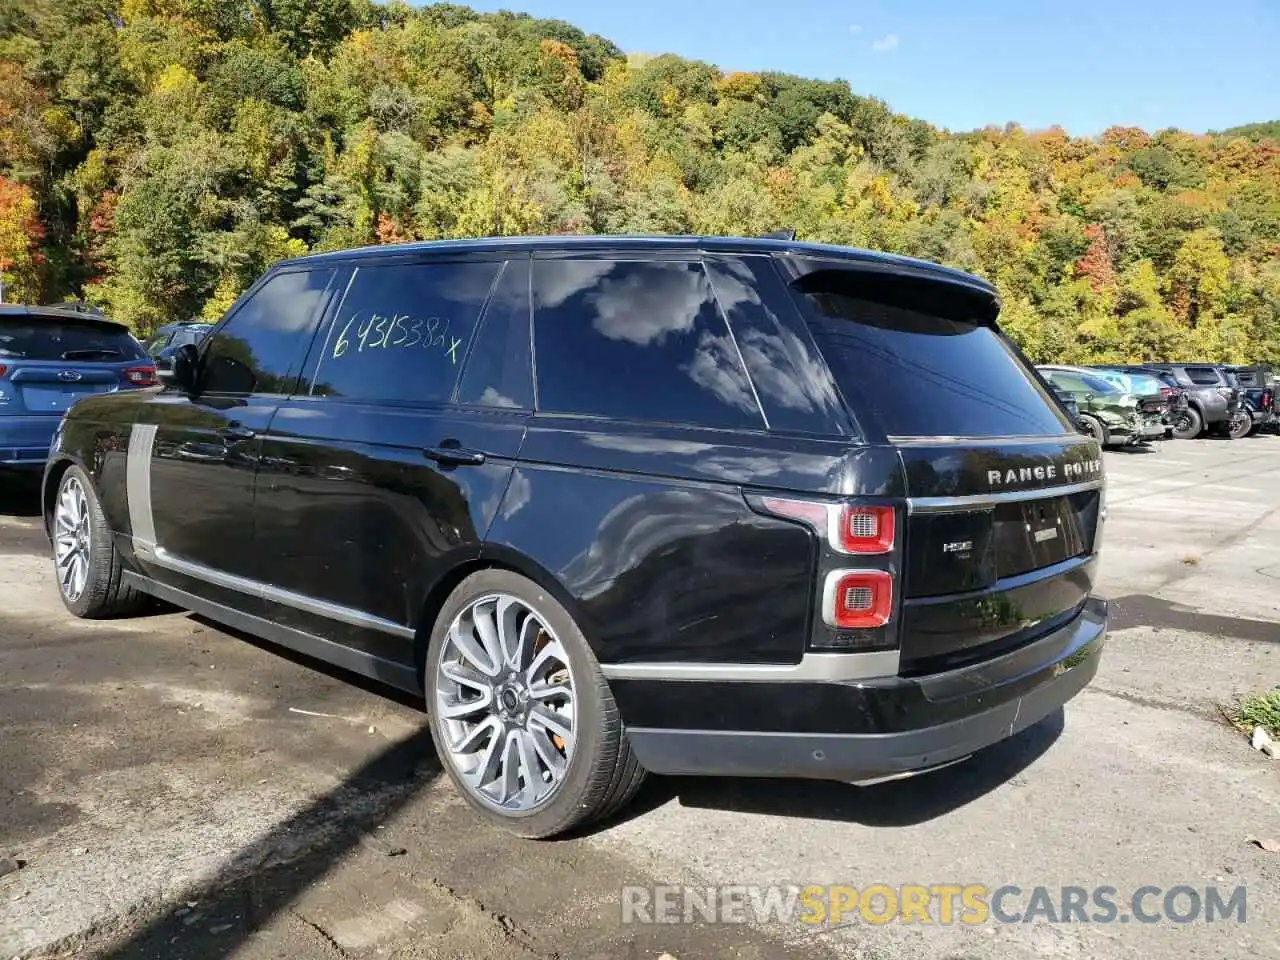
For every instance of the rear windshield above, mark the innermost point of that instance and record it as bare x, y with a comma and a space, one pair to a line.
38, 338
917, 357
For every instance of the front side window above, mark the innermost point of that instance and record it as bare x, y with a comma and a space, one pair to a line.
637, 340
261, 345
402, 331
919, 357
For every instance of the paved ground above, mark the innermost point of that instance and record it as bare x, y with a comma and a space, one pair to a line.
171, 800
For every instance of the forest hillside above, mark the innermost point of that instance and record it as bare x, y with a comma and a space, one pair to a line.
157, 155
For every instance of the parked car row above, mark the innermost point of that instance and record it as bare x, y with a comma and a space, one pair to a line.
1125, 404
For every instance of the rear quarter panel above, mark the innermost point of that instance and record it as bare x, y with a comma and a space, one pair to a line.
647, 533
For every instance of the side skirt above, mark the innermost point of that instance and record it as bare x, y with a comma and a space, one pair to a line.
375, 668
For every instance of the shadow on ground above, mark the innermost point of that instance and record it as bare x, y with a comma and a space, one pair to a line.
265, 877
1140, 610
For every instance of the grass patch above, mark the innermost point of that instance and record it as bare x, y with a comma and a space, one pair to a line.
1259, 709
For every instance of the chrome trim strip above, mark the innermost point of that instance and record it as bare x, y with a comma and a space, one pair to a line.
813, 667
137, 473
264, 591
986, 501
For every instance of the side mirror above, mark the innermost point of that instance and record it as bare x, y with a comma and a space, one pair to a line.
1088, 396
182, 372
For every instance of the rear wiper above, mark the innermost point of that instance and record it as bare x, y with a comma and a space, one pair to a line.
91, 353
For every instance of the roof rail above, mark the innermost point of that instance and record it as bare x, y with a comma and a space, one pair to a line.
788, 233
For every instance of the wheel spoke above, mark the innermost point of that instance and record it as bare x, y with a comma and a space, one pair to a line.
486, 771
550, 691
549, 655
511, 632
471, 739
459, 709
510, 777
532, 773
476, 655
553, 723
486, 633
547, 753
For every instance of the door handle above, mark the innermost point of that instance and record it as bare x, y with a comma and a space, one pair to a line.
450, 454
236, 432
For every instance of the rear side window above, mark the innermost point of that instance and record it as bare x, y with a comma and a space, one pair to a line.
402, 331
637, 340
1203, 376
57, 338
916, 357
498, 372
260, 346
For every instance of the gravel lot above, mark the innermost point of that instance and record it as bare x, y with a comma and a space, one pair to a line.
178, 791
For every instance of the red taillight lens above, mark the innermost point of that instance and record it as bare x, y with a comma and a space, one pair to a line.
857, 599
141, 376
859, 529
3, 368
865, 530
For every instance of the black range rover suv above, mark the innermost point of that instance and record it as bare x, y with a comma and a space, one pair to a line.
615, 505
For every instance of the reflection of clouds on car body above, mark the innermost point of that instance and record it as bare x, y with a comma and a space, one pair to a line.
644, 309
716, 368
492, 398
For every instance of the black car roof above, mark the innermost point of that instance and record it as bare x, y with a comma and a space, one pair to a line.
57, 313
554, 244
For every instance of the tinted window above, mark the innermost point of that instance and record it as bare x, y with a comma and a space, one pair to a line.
402, 331
1204, 376
257, 349
916, 357
55, 338
498, 372
639, 341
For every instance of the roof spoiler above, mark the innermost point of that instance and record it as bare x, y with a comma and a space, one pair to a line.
788, 233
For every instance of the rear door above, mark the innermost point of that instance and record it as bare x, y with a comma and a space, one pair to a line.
384, 469
1004, 494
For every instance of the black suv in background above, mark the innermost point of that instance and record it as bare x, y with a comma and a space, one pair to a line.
615, 505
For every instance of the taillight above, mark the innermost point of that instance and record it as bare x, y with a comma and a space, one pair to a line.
3, 368
862, 530
857, 599
1166, 391
141, 376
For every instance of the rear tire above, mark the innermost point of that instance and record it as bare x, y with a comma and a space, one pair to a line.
86, 563
1097, 429
1187, 424
1241, 426
522, 717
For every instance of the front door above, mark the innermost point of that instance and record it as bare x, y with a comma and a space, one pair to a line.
193, 458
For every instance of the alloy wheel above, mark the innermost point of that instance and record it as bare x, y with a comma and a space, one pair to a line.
71, 539
505, 704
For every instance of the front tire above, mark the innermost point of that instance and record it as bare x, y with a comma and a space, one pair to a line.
86, 564
1187, 424
523, 720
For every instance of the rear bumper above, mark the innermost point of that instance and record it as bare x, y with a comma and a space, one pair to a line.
858, 730
24, 441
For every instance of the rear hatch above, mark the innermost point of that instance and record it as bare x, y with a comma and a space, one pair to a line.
49, 361
1004, 495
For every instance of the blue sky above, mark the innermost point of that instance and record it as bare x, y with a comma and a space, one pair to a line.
1084, 65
